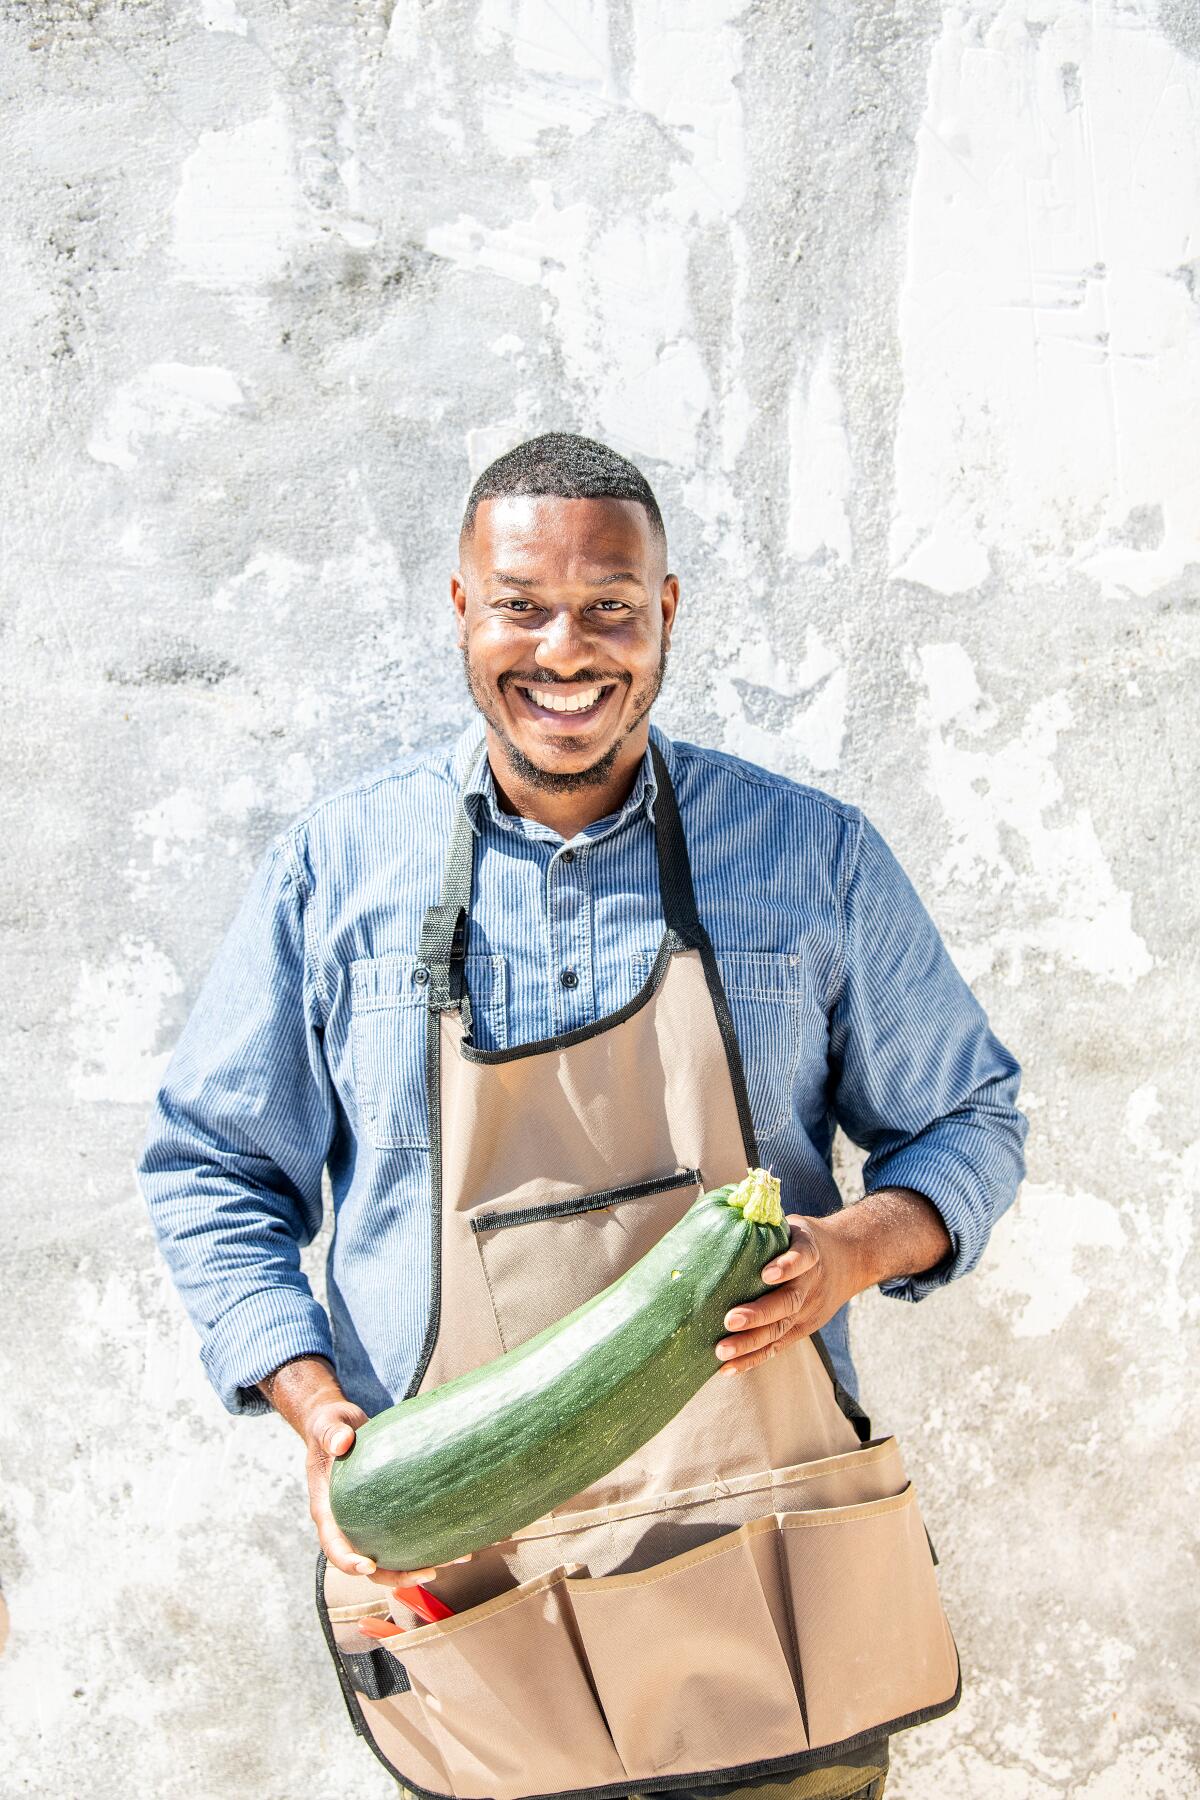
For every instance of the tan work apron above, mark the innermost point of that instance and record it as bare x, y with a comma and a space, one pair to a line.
752, 1594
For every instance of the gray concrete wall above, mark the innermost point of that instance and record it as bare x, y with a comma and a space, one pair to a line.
899, 307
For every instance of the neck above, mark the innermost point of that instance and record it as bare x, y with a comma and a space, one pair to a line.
569, 810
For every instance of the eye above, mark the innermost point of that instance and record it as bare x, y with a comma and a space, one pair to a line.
514, 603
620, 603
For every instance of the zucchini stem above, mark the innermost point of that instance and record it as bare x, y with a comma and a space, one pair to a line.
757, 1198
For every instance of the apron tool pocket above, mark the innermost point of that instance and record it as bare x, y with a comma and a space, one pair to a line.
578, 1243
871, 1639
688, 1661
505, 1692
387, 1041
393, 1711
635, 1534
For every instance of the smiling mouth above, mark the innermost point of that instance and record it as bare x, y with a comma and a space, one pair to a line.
561, 706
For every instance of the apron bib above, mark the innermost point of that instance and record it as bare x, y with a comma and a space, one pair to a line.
752, 1593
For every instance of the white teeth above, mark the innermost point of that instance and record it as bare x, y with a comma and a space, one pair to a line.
561, 703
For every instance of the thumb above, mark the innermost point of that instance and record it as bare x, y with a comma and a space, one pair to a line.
333, 1427
800, 1258
338, 1438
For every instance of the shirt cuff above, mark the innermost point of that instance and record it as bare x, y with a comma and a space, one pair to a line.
255, 1336
955, 1188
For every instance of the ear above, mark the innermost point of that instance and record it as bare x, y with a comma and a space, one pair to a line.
458, 596
669, 601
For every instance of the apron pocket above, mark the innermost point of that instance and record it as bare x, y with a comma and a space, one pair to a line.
577, 1242
871, 1639
634, 1534
401, 1730
687, 1661
394, 1713
506, 1696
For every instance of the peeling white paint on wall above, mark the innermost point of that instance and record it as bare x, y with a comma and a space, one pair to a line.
367, 569
1033, 1256
118, 1015
639, 365
687, 70
565, 80
175, 825
569, 47
238, 215
1050, 354
166, 400
808, 699
820, 471
1167, 1230
222, 15
1065, 906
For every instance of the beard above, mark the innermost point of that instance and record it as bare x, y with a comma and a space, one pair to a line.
552, 781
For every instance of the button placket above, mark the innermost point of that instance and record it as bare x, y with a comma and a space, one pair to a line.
571, 1002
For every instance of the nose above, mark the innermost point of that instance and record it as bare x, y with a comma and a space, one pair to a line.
564, 646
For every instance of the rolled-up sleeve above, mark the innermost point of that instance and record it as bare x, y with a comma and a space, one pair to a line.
232, 1164
919, 1079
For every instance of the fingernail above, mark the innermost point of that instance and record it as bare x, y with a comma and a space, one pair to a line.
465, 1558
734, 1319
770, 1274
725, 1351
340, 1439
364, 1565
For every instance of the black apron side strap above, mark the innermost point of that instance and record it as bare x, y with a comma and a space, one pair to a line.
375, 1673
844, 1398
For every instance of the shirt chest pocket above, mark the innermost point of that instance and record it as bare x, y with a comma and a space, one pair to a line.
778, 1021
388, 1007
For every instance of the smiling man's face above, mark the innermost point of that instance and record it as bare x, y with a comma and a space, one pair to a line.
565, 610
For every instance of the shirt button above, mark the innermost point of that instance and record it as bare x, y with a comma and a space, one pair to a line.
420, 974
568, 856
569, 978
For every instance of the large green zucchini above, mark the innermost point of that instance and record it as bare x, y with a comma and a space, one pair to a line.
481, 1456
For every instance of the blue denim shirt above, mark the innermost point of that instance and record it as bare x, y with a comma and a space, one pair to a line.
304, 1049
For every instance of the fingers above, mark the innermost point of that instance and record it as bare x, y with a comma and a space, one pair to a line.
736, 1349
754, 1357
330, 1433
785, 1305
333, 1540
410, 1577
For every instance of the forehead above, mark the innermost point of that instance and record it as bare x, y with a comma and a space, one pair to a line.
518, 532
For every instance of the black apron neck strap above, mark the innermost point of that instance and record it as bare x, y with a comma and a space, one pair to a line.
674, 865
444, 932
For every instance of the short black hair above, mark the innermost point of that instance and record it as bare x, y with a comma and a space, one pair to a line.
574, 468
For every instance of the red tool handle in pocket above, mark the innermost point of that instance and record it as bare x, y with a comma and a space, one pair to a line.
427, 1605
380, 1628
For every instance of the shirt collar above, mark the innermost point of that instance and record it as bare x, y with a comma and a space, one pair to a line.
479, 792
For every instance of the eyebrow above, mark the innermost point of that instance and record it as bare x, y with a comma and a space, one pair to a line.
523, 581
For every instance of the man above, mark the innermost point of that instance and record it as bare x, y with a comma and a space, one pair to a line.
307, 1047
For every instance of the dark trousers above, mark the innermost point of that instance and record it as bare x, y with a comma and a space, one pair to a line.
860, 1776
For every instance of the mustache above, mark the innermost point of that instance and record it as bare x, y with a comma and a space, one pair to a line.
584, 680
